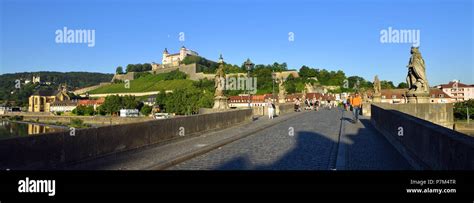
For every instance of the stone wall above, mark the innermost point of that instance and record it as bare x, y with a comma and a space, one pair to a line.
90, 88
127, 76
366, 107
54, 150
189, 69
424, 144
441, 114
285, 108
137, 94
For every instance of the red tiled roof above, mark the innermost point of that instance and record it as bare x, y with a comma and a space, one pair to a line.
391, 93
254, 98
90, 102
435, 93
450, 85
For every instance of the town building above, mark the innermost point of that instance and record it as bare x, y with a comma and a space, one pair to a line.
36, 79
457, 90
41, 100
242, 101
397, 96
63, 106
91, 102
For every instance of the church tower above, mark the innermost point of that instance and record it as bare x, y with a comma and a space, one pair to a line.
182, 53
164, 60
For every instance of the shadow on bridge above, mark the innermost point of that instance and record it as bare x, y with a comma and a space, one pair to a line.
365, 149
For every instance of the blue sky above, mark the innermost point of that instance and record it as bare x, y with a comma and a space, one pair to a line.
327, 34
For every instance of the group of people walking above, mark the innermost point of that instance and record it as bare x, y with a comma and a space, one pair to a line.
353, 103
309, 104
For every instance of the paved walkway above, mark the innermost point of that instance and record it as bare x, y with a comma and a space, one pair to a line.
323, 140
367, 149
164, 155
314, 146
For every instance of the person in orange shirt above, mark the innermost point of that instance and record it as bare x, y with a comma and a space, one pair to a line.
356, 103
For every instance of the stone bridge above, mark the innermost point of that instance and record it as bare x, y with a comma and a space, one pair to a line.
311, 140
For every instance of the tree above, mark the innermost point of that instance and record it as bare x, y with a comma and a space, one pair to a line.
161, 100
146, 110
101, 110
119, 70
139, 67
402, 85
307, 72
84, 110
387, 84
112, 104
129, 102
461, 109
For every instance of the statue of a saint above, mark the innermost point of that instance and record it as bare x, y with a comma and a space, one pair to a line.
416, 78
281, 91
219, 81
377, 86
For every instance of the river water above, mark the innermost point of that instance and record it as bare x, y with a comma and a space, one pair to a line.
9, 129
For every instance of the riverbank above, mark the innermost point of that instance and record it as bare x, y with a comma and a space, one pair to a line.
91, 120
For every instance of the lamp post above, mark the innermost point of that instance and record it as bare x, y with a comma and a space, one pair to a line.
249, 65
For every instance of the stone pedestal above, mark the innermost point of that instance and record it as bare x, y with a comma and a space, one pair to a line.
418, 97
281, 99
377, 99
220, 103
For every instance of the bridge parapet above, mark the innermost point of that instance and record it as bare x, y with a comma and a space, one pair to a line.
54, 150
423, 143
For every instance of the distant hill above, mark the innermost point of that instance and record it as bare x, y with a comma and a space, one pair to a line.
148, 83
74, 80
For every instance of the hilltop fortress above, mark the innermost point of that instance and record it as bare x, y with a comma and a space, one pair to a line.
171, 62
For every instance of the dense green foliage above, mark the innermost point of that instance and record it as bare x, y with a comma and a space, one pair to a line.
119, 70
19, 97
402, 85
137, 75
461, 109
84, 110
138, 67
387, 84
185, 101
114, 103
204, 65
146, 110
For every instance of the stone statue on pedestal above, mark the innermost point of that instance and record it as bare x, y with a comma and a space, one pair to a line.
219, 81
418, 88
220, 101
377, 90
281, 91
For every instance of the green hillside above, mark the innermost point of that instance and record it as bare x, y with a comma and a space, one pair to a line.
19, 97
146, 83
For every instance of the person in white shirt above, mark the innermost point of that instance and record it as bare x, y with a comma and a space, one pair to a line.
271, 110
